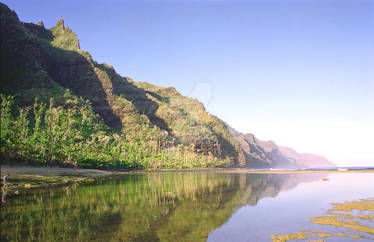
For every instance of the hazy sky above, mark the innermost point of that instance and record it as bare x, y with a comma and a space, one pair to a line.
300, 73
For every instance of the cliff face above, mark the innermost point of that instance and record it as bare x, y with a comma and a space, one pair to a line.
266, 154
41, 63
263, 154
310, 160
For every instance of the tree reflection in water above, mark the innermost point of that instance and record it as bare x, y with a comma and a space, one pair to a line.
139, 207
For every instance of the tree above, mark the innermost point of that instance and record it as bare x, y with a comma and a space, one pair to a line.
6, 120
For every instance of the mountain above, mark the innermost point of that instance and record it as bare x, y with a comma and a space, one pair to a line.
59, 106
311, 160
152, 123
266, 154
263, 154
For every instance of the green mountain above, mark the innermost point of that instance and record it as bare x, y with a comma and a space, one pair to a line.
59, 106
140, 124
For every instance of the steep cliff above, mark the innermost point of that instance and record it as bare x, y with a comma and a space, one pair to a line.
263, 154
267, 154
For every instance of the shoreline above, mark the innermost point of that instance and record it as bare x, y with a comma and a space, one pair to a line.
303, 172
23, 178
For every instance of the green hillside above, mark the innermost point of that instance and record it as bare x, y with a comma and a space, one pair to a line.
60, 106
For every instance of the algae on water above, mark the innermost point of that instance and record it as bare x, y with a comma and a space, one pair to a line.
351, 218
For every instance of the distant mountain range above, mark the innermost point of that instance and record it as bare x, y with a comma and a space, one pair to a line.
266, 154
133, 124
309, 160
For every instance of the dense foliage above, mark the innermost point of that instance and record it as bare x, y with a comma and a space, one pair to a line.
72, 134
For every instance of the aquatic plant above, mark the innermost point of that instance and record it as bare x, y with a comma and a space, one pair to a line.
349, 217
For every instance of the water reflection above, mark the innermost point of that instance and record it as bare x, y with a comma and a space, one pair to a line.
140, 207
3, 194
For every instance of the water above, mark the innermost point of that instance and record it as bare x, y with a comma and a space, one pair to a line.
182, 206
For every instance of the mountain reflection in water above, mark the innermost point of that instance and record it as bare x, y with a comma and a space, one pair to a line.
173, 206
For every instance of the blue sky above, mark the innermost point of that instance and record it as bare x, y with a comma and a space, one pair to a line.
299, 73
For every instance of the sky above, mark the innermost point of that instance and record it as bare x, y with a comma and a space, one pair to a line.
300, 73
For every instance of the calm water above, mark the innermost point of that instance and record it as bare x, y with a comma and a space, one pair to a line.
181, 206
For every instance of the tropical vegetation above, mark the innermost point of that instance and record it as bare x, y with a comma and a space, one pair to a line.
72, 134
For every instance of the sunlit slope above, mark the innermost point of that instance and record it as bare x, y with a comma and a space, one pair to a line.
139, 124
43, 63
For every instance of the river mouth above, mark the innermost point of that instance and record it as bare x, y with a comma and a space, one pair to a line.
184, 206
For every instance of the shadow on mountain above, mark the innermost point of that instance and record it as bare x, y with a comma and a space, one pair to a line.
72, 70
32, 64
137, 96
229, 148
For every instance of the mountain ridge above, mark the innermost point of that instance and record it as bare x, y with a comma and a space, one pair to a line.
311, 160
46, 63
267, 154
136, 124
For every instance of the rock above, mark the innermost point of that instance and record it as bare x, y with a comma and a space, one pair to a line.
60, 22
40, 23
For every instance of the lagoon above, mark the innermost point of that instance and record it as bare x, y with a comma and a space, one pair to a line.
191, 206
